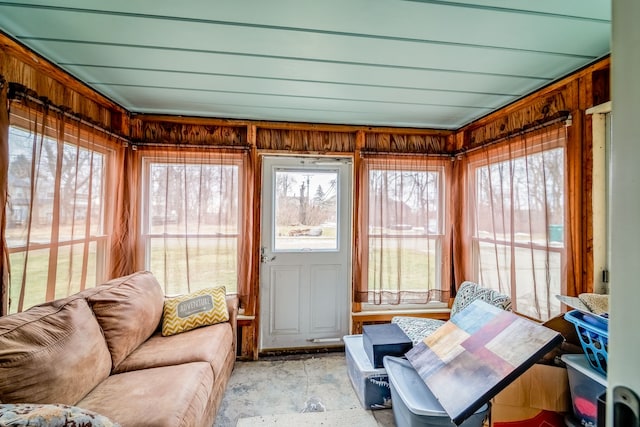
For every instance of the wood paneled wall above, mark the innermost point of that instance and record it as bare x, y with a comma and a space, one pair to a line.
181, 131
52, 85
296, 138
574, 94
396, 142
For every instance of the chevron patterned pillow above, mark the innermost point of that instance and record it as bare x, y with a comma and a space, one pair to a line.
201, 308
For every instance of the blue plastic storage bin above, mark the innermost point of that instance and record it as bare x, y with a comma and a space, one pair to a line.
593, 331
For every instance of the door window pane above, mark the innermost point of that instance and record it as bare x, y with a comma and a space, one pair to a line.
306, 210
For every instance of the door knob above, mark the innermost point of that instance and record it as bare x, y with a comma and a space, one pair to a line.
266, 258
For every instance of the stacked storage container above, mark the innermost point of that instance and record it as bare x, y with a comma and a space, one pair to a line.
588, 372
370, 384
414, 405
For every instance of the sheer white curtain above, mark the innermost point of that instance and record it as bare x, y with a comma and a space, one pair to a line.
401, 246
57, 220
193, 222
519, 220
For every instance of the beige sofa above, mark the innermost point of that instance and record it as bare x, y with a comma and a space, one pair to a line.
102, 350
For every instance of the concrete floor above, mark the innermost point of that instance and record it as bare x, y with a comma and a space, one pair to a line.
291, 384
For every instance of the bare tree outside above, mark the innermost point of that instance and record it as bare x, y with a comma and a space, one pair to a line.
530, 188
403, 199
194, 197
193, 223
404, 227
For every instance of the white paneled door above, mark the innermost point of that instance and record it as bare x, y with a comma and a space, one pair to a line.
305, 269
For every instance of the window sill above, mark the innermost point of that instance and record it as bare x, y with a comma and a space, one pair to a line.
359, 319
425, 312
434, 306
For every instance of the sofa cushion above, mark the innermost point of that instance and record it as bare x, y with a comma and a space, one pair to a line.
129, 310
211, 344
201, 308
52, 353
39, 415
157, 397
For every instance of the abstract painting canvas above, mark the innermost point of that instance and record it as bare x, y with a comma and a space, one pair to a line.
476, 354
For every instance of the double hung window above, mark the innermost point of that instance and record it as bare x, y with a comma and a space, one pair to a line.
191, 220
401, 230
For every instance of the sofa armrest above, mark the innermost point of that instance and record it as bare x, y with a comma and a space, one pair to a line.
232, 306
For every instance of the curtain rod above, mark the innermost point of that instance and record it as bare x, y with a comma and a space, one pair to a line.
563, 116
17, 92
364, 153
135, 146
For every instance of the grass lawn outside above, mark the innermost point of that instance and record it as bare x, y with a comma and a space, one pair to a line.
182, 267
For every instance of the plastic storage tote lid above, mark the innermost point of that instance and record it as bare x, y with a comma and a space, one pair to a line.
580, 363
412, 390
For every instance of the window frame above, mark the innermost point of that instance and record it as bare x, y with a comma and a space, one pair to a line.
601, 194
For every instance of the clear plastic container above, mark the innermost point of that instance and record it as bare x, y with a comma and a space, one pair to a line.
370, 384
585, 384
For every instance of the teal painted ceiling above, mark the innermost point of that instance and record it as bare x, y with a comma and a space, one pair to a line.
424, 63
